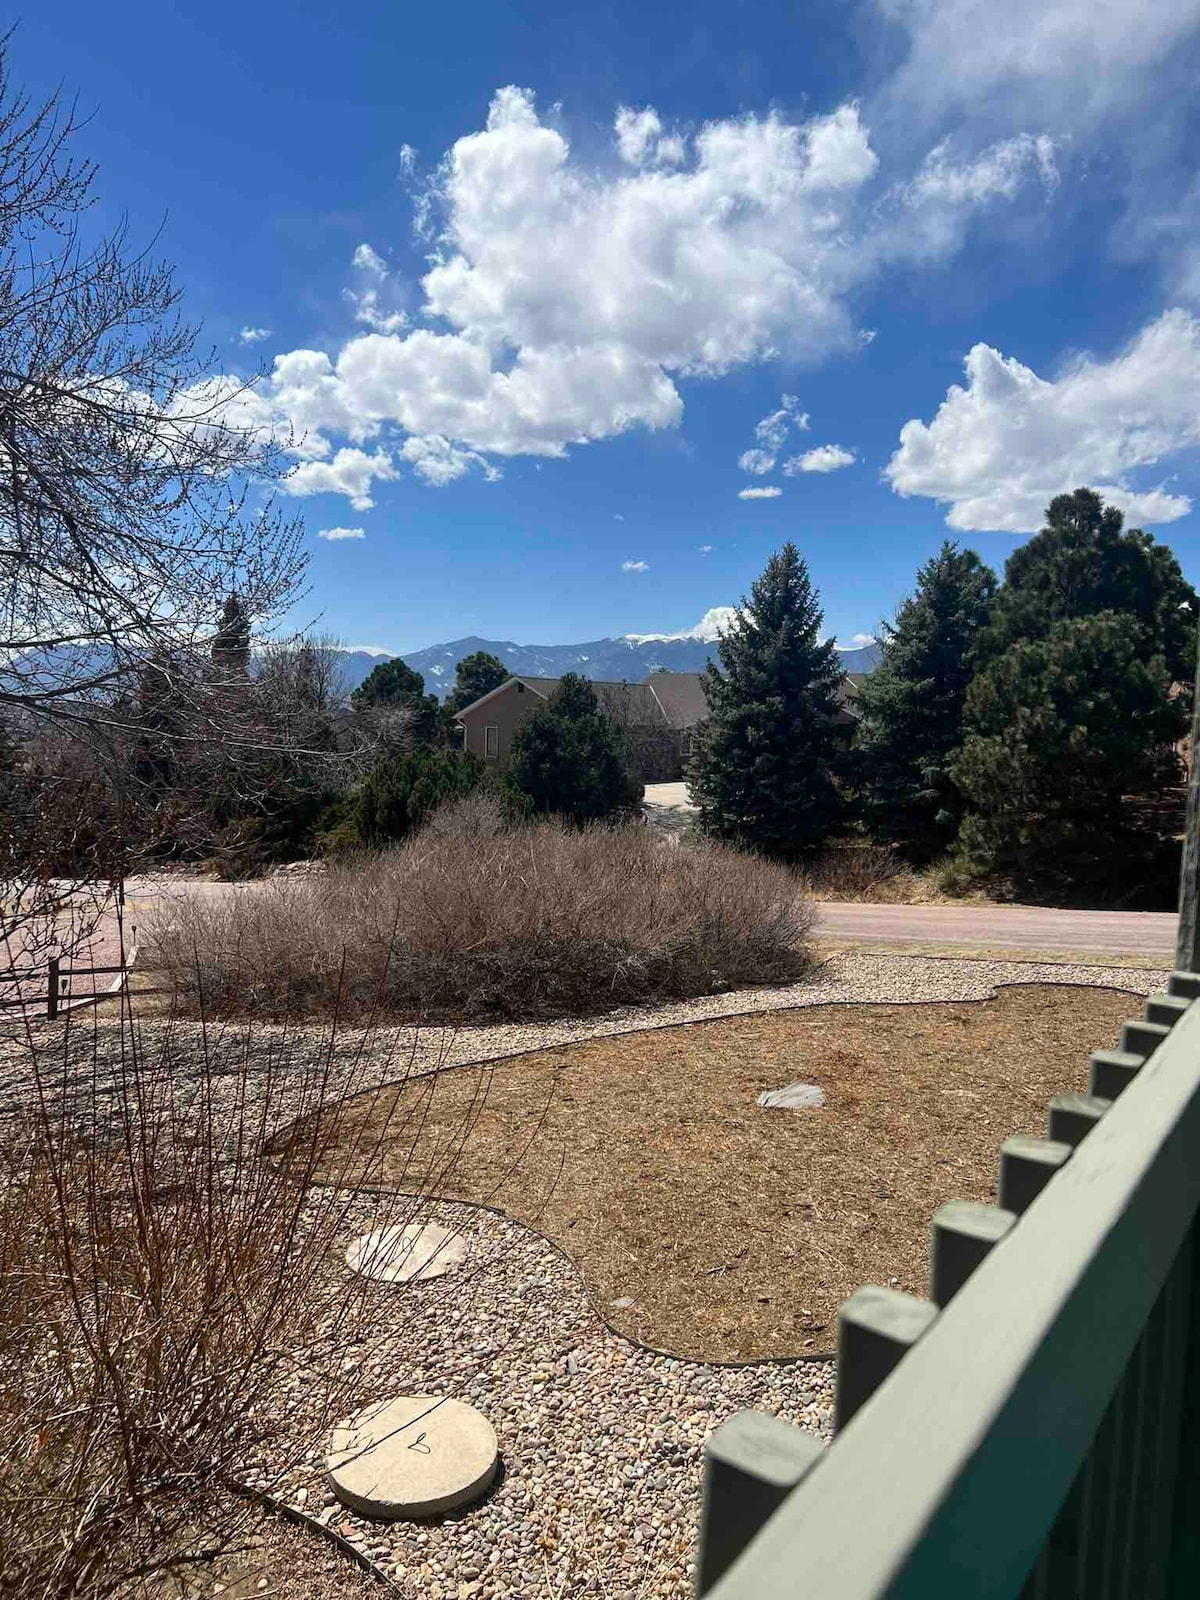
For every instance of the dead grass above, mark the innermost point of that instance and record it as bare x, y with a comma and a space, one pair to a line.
856, 870
539, 922
733, 1232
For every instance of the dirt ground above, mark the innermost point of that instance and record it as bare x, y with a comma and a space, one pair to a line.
709, 1227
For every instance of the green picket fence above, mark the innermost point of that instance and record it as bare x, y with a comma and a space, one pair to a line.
1030, 1431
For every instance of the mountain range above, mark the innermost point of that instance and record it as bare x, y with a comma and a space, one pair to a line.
630, 658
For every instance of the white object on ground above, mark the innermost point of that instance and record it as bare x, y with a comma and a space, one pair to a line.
793, 1097
415, 1456
412, 1254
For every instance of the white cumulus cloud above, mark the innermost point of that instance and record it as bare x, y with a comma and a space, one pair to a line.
772, 431
350, 472
336, 534
1002, 445
641, 141
635, 566
759, 462
711, 625
770, 492
824, 458
250, 335
563, 299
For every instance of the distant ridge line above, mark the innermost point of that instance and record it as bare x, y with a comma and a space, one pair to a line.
629, 659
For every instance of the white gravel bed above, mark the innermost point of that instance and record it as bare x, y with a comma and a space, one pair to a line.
600, 1442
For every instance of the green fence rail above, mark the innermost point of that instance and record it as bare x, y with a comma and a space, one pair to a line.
1030, 1431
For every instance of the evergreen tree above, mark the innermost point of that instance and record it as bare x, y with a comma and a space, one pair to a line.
1084, 562
1063, 733
388, 683
568, 760
1071, 721
231, 646
476, 675
395, 685
764, 770
911, 706
403, 790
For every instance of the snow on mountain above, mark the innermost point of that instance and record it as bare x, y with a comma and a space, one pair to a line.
632, 657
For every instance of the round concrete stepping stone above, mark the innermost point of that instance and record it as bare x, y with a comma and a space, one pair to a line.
412, 1254
415, 1456
793, 1097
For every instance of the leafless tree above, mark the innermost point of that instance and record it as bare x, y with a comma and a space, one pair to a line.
132, 506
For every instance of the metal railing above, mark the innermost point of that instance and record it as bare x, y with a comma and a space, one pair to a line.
1032, 1430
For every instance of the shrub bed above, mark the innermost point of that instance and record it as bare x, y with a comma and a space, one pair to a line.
541, 921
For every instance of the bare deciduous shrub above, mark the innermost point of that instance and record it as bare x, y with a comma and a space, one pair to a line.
855, 871
542, 921
163, 1288
475, 816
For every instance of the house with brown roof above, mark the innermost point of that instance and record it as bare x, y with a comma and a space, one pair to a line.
658, 717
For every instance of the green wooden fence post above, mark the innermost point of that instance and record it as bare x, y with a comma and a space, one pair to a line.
751, 1464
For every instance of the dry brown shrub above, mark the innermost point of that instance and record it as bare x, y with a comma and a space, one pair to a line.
478, 815
541, 921
868, 872
162, 1287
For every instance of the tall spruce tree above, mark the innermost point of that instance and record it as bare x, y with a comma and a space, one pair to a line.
764, 770
911, 706
231, 645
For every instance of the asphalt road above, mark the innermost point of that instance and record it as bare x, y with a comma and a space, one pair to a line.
1132, 933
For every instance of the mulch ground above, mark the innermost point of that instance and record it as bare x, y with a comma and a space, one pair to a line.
704, 1225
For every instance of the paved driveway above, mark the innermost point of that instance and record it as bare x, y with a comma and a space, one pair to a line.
1133, 933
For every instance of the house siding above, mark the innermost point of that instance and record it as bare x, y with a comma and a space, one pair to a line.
505, 711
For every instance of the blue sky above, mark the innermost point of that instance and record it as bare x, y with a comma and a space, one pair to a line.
541, 292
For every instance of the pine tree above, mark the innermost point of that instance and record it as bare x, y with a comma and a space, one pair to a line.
1063, 733
1071, 720
396, 685
476, 675
567, 759
911, 707
1084, 562
231, 646
764, 770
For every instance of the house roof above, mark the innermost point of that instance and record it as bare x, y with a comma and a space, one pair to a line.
543, 687
676, 699
653, 703
681, 695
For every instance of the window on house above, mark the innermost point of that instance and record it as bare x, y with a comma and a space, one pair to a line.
491, 740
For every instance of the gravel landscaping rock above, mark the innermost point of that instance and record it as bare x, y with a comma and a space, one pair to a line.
600, 1442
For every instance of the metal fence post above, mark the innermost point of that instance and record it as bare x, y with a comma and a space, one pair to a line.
52, 988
